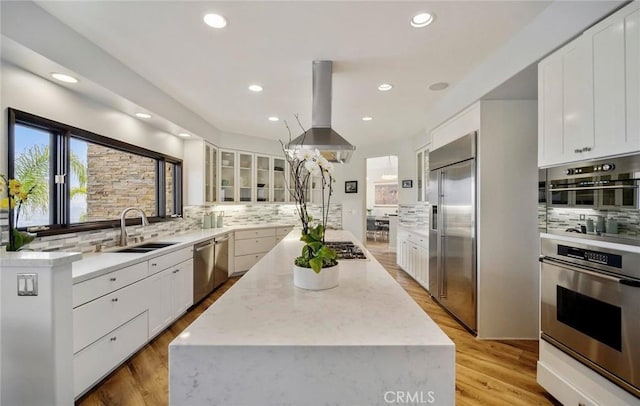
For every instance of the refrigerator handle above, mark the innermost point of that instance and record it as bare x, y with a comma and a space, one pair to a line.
442, 235
434, 217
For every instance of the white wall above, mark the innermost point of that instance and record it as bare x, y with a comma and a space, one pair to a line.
25, 91
376, 167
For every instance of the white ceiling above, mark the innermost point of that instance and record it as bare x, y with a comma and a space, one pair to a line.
274, 43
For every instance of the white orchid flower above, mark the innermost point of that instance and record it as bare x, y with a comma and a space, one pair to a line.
304, 154
322, 161
313, 167
329, 168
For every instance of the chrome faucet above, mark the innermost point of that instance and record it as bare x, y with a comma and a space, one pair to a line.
123, 228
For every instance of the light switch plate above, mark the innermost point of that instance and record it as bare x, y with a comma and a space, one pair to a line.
27, 284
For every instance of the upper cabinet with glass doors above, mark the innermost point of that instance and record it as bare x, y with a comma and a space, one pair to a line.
263, 178
227, 176
245, 177
422, 166
280, 193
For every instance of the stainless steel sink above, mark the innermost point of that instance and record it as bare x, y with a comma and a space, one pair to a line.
148, 247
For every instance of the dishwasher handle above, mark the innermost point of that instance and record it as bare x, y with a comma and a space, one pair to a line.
199, 248
220, 240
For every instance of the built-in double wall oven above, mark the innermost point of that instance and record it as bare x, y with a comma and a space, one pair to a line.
590, 307
602, 184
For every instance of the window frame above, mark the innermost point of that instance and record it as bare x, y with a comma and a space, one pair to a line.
59, 211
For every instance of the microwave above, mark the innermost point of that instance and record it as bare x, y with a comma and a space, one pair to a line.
599, 184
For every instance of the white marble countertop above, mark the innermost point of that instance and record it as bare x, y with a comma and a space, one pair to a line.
30, 259
420, 230
96, 264
368, 308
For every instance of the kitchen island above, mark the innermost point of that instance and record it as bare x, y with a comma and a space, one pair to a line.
266, 342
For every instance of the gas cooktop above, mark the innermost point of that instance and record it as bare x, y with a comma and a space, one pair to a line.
346, 249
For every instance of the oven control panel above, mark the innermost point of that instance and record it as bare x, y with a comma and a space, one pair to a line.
608, 167
602, 258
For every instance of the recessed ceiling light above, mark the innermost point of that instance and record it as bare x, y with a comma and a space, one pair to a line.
184, 135
385, 86
273, 118
64, 78
255, 88
367, 118
215, 20
439, 86
143, 115
422, 20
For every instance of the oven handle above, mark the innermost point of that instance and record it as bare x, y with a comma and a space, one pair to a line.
560, 264
563, 189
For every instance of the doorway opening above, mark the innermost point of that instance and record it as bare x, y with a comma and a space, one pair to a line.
382, 199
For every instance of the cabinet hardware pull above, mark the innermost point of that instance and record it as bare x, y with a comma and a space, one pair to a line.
112, 279
113, 338
115, 299
577, 151
586, 149
154, 264
176, 271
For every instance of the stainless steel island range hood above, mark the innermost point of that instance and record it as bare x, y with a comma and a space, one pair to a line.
321, 136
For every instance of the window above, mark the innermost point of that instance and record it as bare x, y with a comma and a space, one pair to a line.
97, 177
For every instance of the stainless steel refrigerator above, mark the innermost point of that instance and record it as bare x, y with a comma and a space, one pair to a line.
452, 234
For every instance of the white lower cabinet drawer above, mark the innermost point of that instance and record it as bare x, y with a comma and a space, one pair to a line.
262, 232
244, 262
96, 287
283, 231
98, 359
168, 260
96, 318
255, 245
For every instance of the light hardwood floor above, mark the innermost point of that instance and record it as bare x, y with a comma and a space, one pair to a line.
487, 372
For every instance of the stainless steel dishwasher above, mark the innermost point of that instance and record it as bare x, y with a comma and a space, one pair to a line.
203, 265
221, 260
210, 266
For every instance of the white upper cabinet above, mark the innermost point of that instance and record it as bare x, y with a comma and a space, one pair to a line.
245, 177
589, 92
201, 171
565, 105
228, 164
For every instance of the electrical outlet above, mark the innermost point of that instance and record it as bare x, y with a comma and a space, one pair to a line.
582, 217
27, 284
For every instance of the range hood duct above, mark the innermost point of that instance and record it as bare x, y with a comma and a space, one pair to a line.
321, 136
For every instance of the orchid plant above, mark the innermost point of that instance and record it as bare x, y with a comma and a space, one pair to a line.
306, 164
17, 196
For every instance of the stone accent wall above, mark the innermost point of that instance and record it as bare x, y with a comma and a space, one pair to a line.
116, 180
414, 214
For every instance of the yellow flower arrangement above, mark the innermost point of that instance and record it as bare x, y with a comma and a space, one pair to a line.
16, 198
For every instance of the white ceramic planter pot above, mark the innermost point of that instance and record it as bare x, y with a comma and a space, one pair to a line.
306, 278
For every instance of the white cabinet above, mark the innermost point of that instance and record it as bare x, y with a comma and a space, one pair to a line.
422, 176
103, 356
282, 232
616, 65
251, 245
171, 294
201, 170
228, 163
589, 92
245, 177
280, 180
263, 184
413, 256
565, 105
116, 313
